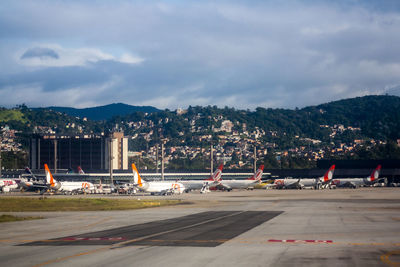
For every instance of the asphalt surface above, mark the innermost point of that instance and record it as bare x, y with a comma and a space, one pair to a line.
342, 227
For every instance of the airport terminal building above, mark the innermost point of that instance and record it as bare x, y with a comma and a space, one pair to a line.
90, 152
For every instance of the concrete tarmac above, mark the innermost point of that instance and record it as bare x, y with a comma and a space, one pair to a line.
343, 227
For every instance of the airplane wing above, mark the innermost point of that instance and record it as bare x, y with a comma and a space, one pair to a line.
349, 184
223, 187
296, 185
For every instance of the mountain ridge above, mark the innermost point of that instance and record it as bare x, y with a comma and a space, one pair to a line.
105, 112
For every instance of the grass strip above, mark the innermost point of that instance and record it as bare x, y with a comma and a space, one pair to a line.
14, 204
12, 218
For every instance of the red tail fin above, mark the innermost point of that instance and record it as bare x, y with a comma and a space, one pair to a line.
218, 173
258, 175
375, 173
80, 171
329, 174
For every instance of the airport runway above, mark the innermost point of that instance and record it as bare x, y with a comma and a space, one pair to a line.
244, 228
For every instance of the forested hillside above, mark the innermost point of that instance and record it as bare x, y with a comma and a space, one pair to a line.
351, 128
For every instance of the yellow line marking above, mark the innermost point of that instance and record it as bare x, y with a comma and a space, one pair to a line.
385, 258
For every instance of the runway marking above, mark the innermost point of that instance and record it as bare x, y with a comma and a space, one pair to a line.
300, 241
71, 228
295, 241
71, 256
178, 229
221, 225
150, 237
91, 238
385, 258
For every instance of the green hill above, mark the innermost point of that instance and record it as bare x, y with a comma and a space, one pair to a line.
375, 117
7, 115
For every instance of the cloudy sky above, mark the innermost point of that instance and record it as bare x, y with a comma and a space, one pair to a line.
172, 54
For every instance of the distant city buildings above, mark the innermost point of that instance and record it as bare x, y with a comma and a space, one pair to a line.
233, 143
8, 140
91, 152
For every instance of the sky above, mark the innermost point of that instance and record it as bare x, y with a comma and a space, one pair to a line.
172, 54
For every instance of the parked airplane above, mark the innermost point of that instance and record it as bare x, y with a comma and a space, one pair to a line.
32, 183
204, 185
316, 183
156, 187
66, 187
7, 184
357, 182
242, 184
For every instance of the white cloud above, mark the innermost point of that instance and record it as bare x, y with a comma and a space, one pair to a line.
68, 56
80, 96
130, 59
175, 54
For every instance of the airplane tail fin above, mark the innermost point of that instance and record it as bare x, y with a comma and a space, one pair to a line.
80, 171
329, 174
136, 176
375, 174
49, 177
28, 171
258, 175
218, 173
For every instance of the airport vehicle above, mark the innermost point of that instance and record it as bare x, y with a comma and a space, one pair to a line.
204, 185
357, 182
242, 184
101, 188
264, 185
316, 183
156, 187
66, 187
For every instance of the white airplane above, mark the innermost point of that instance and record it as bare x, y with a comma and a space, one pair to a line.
357, 182
66, 187
315, 183
32, 183
204, 185
242, 184
7, 184
156, 187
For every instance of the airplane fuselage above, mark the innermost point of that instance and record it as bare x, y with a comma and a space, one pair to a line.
197, 184
7, 184
162, 187
350, 182
75, 186
238, 184
296, 183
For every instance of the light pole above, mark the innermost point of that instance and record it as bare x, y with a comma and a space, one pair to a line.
110, 158
1, 141
55, 156
255, 159
212, 159
157, 158
162, 161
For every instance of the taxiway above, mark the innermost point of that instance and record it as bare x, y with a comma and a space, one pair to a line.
242, 228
